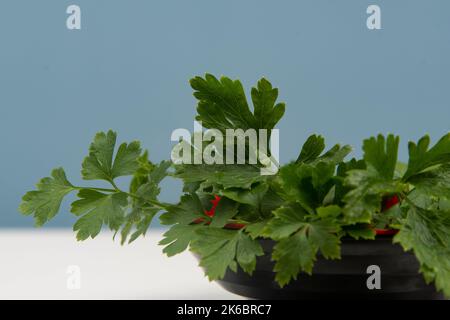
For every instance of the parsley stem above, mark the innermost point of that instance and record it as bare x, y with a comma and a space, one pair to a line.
95, 189
154, 203
114, 185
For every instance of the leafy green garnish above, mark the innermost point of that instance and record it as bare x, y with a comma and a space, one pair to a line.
226, 176
225, 211
221, 249
426, 233
222, 104
99, 164
421, 158
45, 202
96, 209
178, 238
97, 206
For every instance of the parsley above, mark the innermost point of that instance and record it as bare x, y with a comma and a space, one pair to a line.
97, 207
306, 208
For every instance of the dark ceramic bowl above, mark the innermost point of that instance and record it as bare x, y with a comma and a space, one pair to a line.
339, 279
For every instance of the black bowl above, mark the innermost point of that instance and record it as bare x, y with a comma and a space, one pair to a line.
339, 279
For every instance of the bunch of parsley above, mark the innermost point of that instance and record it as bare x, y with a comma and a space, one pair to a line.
307, 208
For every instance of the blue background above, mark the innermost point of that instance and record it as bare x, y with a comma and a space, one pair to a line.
128, 69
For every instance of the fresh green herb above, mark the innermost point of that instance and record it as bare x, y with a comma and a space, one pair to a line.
306, 208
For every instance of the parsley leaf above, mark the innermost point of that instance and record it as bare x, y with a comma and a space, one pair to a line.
366, 186
220, 249
188, 210
146, 190
223, 105
299, 240
253, 197
421, 158
99, 163
292, 256
360, 231
435, 181
427, 233
178, 237
381, 154
140, 176
267, 112
44, 203
322, 233
365, 197
307, 184
226, 209
96, 209
227, 176
287, 221
256, 229
311, 149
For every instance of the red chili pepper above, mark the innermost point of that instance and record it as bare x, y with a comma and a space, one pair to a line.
386, 232
234, 226
212, 211
389, 202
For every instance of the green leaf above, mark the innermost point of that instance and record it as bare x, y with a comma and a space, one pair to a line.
307, 184
297, 253
45, 202
286, 221
421, 158
389, 219
185, 212
323, 234
253, 197
310, 181
427, 234
140, 219
178, 238
219, 249
256, 229
381, 154
225, 210
331, 211
365, 197
366, 185
360, 231
149, 188
353, 164
267, 112
140, 176
297, 188
335, 155
222, 104
293, 255
246, 252
97, 209
99, 163
146, 190
434, 182
299, 239
400, 170
311, 149
227, 176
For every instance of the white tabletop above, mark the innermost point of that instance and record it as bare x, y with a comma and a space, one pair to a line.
44, 264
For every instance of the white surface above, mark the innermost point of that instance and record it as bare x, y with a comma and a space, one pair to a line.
33, 265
